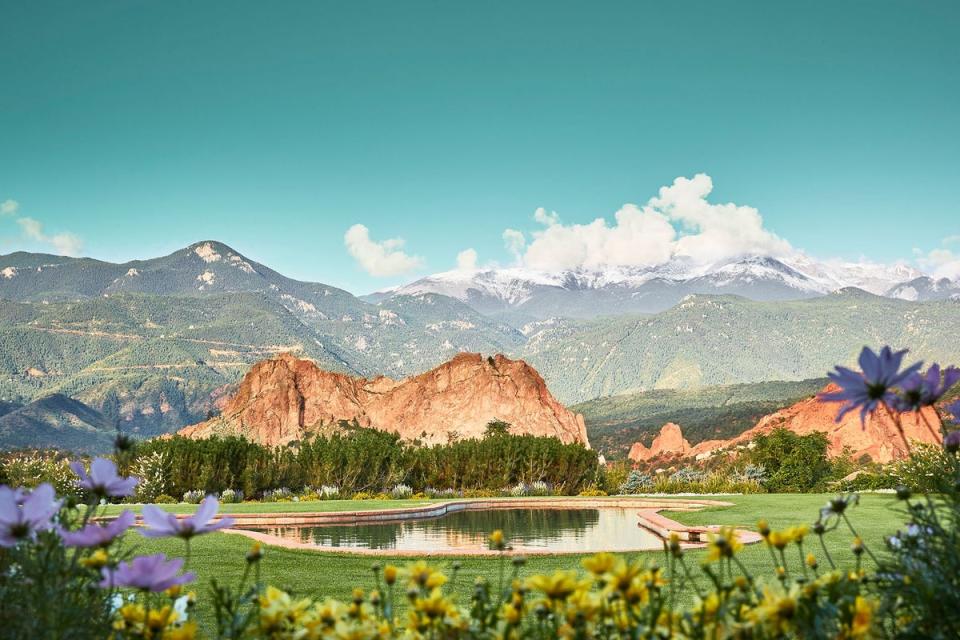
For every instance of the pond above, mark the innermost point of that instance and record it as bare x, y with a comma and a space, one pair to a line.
530, 530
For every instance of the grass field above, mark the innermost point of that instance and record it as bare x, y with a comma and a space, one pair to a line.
317, 574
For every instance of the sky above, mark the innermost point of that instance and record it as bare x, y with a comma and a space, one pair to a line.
364, 144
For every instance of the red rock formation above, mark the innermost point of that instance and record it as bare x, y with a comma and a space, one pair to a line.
285, 398
878, 439
669, 442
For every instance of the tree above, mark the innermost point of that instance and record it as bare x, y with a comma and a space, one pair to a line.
794, 463
497, 427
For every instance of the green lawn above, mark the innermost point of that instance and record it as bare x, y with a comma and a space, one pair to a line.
330, 574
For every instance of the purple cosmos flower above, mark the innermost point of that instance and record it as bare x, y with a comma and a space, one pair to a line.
160, 523
22, 514
952, 442
953, 410
103, 479
150, 573
918, 391
93, 535
873, 386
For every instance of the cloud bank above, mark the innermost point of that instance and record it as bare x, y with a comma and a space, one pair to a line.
64, 244
942, 262
380, 259
679, 221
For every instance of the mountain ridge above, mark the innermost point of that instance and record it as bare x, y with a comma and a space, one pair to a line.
589, 292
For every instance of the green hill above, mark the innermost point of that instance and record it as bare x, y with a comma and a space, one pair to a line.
56, 421
614, 423
711, 340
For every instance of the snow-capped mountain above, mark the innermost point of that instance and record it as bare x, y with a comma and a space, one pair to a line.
529, 294
925, 288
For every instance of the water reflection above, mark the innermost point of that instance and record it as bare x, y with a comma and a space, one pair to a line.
560, 530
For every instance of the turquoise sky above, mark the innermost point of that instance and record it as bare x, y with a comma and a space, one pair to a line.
141, 127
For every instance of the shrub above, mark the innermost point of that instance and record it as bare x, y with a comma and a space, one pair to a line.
593, 492
519, 490
230, 496
362, 495
749, 473
164, 499
328, 492
281, 494
32, 468
793, 462
927, 470
539, 488
688, 476
193, 497
153, 471
447, 494
401, 492
480, 493
637, 482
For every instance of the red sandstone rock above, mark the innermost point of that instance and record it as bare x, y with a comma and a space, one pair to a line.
878, 439
669, 442
285, 399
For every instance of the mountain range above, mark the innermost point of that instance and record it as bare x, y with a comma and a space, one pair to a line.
154, 345
526, 294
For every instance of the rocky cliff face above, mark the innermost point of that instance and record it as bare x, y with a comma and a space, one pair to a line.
878, 439
669, 442
285, 399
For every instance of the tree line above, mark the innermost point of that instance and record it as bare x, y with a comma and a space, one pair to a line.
362, 460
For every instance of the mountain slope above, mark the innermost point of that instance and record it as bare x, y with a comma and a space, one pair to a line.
615, 423
709, 340
56, 421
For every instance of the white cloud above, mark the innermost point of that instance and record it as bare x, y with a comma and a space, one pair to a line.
65, 244
717, 231
942, 262
379, 259
9, 207
546, 218
680, 221
515, 242
467, 260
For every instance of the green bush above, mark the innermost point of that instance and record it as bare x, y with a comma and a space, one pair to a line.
793, 463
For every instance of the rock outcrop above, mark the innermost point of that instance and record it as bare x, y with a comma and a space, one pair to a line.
878, 438
668, 443
285, 398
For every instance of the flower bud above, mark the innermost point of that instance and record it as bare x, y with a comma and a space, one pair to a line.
390, 574
255, 553
857, 546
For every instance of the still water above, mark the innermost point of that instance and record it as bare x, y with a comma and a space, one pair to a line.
555, 530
